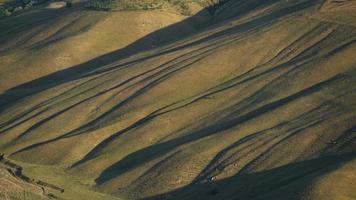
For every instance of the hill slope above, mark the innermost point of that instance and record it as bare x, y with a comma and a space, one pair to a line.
41, 41
260, 105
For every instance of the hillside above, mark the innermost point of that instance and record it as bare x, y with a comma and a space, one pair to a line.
42, 40
255, 102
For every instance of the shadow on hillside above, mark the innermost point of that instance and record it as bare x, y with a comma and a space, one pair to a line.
152, 152
20, 24
149, 42
287, 182
146, 43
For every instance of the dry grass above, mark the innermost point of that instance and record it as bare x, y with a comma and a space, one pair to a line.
257, 107
32, 46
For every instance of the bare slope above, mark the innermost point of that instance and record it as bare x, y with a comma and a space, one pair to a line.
42, 41
258, 106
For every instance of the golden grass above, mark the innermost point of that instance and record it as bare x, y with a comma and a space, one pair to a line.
34, 47
256, 107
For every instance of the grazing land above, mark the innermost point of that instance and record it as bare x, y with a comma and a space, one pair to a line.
186, 100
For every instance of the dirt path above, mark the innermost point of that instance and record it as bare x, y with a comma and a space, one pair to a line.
14, 184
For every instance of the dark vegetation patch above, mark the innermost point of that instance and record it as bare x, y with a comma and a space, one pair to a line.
10, 7
181, 5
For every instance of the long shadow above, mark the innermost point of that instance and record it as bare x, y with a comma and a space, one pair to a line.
246, 26
149, 42
286, 182
345, 142
13, 95
140, 122
250, 100
302, 122
135, 159
30, 23
170, 65
87, 127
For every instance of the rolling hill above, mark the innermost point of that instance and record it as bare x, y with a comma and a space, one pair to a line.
255, 101
42, 40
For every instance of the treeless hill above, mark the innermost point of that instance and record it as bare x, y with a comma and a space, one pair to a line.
42, 41
259, 105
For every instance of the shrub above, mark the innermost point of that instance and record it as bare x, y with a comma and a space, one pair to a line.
101, 4
4, 12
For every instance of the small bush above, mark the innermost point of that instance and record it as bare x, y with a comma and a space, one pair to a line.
4, 12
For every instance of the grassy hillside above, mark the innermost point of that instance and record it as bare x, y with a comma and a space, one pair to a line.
41, 41
259, 105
